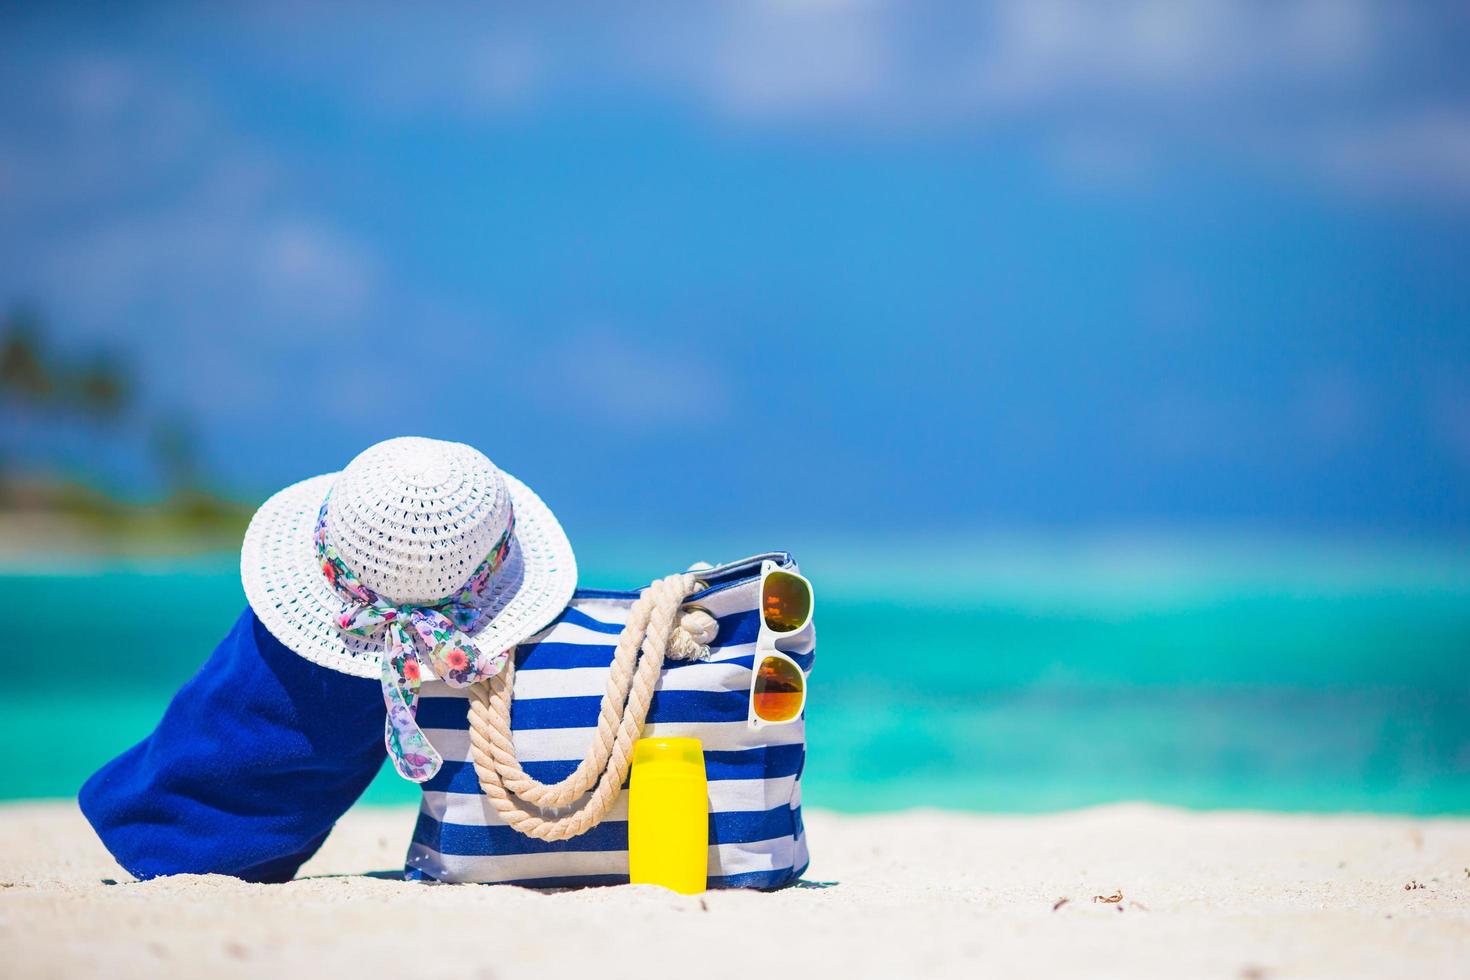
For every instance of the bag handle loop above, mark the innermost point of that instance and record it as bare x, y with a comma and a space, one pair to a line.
655, 631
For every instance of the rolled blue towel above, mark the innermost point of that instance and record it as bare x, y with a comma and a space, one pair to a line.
257, 756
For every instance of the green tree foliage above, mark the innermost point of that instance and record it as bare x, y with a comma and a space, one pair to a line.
24, 374
101, 388
97, 387
176, 452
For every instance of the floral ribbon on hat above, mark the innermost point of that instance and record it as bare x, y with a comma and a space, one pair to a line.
411, 632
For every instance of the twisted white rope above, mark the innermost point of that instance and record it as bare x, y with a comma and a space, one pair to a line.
655, 631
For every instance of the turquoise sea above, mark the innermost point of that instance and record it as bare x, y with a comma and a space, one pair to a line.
988, 674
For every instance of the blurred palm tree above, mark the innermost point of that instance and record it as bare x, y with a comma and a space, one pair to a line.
176, 451
96, 389
24, 374
101, 389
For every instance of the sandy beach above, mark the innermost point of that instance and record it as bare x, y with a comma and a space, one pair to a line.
907, 894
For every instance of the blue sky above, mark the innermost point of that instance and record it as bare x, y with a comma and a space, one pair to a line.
848, 266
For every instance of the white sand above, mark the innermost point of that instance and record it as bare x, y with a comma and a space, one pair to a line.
918, 894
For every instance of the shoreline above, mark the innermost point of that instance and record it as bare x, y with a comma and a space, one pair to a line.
1214, 893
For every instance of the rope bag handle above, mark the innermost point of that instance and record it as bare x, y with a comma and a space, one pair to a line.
658, 628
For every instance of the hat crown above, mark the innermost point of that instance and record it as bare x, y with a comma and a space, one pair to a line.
414, 517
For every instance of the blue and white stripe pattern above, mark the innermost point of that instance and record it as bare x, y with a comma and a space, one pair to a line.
756, 836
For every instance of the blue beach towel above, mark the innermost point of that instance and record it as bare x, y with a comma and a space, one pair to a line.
255, 759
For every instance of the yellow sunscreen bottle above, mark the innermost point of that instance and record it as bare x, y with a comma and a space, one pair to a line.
668, 815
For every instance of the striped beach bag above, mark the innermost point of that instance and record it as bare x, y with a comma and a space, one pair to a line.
471, 830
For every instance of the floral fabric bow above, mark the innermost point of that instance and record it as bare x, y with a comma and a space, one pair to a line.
411, 632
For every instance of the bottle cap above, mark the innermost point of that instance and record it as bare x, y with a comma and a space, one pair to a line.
668, 751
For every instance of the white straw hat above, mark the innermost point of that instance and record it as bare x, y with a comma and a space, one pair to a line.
413, 519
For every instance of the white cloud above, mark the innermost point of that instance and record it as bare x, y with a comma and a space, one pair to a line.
766, 57
312, 270
1045, 51
218, 254
1111, 92
1310, 88
1086, 158
898, 64
874, 62
1423, 153
615, 376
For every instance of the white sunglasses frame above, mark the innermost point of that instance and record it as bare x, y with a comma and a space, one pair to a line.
765, 646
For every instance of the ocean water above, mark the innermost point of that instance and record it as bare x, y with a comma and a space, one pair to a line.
980, 675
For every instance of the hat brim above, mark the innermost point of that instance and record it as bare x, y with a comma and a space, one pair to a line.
286, 588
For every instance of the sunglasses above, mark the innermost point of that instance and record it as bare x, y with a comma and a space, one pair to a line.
778, 685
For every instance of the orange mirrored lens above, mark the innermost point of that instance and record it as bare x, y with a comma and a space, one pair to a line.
778, 690
786, 602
